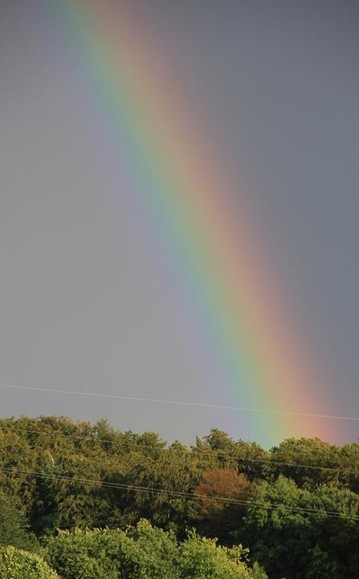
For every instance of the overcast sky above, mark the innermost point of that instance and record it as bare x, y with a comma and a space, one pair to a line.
81, 307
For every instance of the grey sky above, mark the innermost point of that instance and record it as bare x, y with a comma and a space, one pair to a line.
81, 304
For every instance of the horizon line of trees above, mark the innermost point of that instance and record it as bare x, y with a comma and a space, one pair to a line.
292, 510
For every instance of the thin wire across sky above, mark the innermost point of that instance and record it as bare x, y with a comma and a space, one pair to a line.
180, 402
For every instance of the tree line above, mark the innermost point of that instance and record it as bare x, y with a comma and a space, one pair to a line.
89, 501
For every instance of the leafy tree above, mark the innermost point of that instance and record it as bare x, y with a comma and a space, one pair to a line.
144, 552
308, 461
172, 476
217, 517
347, 459
217, 450
18, 564
252, 460
14, 525
202, 558
297, 534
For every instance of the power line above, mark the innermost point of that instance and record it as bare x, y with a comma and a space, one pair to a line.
180, 402
179, 494
127, 444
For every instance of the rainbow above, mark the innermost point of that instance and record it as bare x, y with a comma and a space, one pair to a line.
225, 278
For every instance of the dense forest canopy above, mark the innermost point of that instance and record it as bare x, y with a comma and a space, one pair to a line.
86, 500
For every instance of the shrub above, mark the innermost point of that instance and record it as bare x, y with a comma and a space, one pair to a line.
143, 552
18, 564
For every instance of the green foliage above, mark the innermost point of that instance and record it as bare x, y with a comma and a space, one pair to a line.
283, 520
202, 558
289, 531
13, 525
220, 451
309, 462
174, 472
18, 564
142, 552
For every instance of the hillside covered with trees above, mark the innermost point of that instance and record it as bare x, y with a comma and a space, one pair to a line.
84, 501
